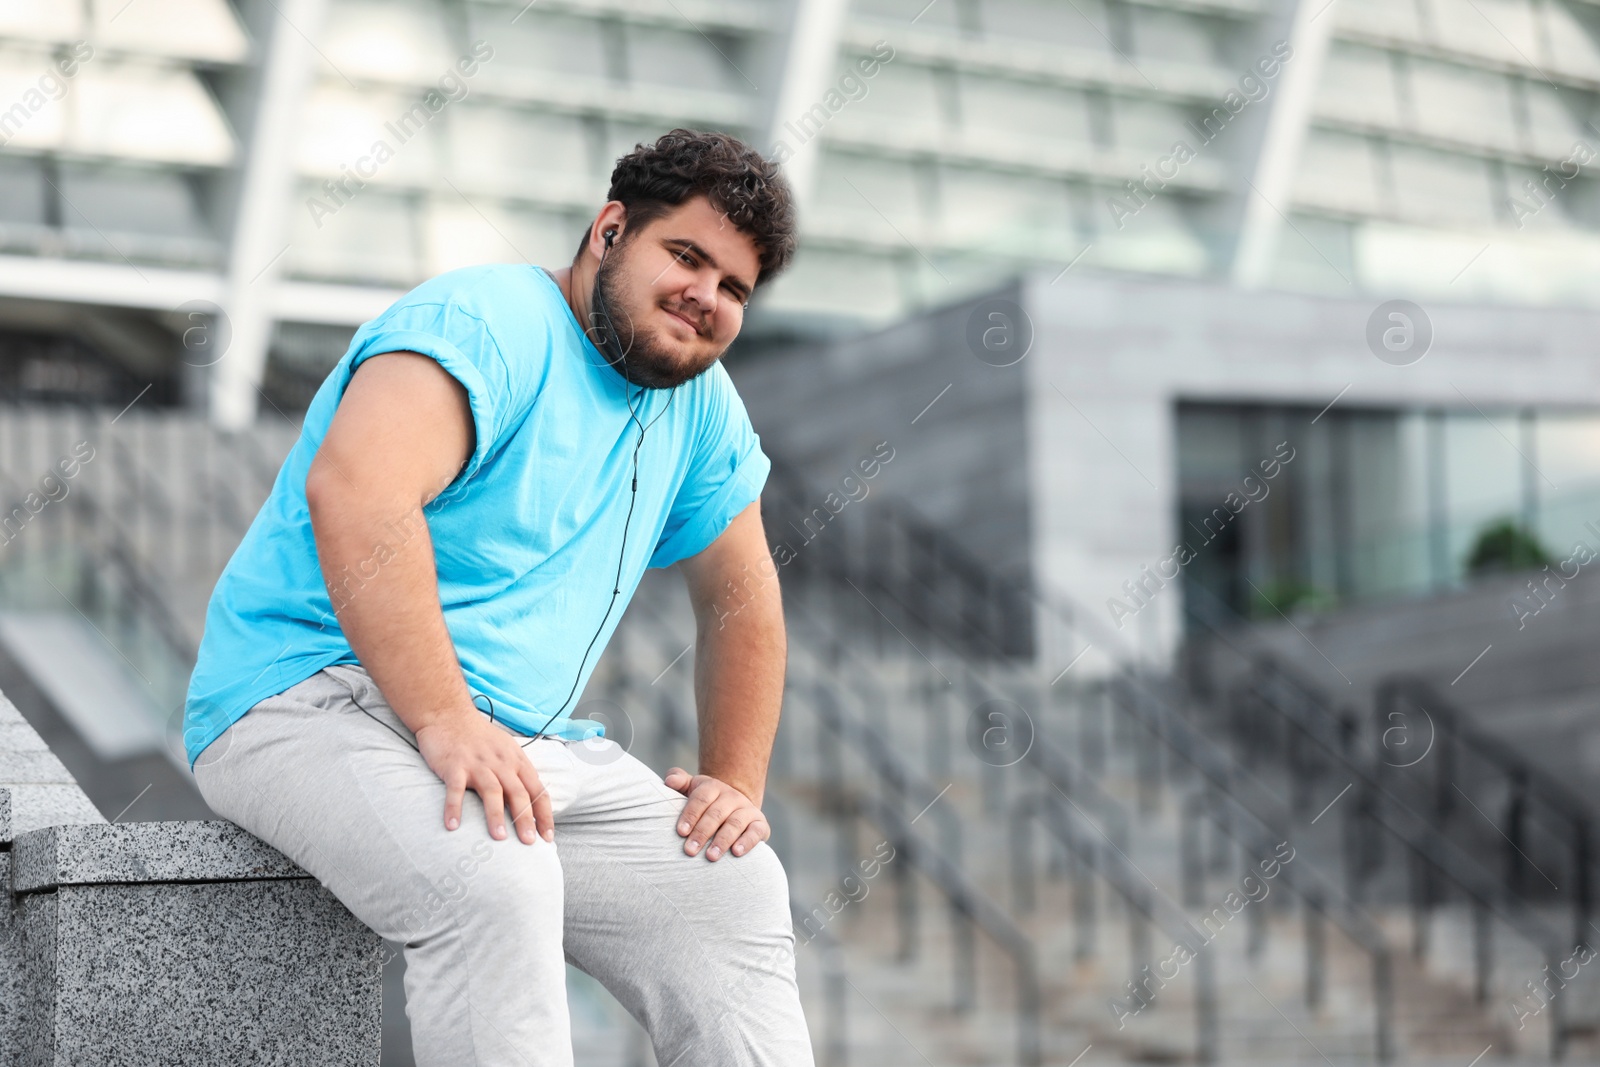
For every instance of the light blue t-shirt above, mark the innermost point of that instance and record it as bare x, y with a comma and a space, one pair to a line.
526, 538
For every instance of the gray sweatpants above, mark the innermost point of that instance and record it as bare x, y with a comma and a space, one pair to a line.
701, 953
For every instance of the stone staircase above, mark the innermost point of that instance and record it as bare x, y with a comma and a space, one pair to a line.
1056, 825
1259, 959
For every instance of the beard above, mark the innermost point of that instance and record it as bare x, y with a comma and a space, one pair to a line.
638, 353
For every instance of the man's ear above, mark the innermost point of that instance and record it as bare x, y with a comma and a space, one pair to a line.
609, 220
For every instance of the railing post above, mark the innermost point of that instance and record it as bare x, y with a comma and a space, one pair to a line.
836, 1049
1383, 1002
1582, 888
1482, 952
1256, 930
1147, 754
1444, 772
964, 942
1421, 905
1558, 1018
1083, 904
938, 725
1205, 1007
1316, 950
1189, 859
1022, 856
992, 788
1138, 936
1361, 841
1300, 777
1092, 711
906, 911
1515, 829
1030, 1047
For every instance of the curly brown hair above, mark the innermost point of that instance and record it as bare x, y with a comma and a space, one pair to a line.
653, 179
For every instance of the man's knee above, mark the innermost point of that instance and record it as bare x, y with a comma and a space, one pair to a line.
763, 949
761, 894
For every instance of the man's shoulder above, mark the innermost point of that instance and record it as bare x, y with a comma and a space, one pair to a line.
499, 316
487, 290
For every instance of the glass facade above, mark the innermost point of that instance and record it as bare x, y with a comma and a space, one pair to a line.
1378, 503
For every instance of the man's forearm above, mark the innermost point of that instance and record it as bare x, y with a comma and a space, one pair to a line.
739, 667
379, 569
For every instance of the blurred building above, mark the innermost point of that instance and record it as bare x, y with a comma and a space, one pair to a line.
1352, 144
1132, 438
199, 200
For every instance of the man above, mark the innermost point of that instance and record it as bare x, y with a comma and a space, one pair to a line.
391, 657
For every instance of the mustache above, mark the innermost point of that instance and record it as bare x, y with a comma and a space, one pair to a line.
696, 320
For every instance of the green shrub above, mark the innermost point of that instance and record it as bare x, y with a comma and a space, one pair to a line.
1287, 594
1502, 545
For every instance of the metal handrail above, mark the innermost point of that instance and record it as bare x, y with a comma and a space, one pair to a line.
1535, 798
1574, 818
115, 547
1045, 758
1158, 717
977, 909
905, 784
887, 765
1114, 868
970, 909
1307, 710
1451, 864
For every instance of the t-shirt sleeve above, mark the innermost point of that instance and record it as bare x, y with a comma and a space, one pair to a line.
498, 391
726, 475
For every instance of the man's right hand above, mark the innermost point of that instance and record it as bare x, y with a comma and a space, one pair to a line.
470, 752
402, 431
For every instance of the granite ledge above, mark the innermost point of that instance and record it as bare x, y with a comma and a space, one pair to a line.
34, 764
36, 806
134, 853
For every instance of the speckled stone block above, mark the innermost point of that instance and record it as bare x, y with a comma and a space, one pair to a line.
35, 939
166, 943
260, 972
131, 853
11, 988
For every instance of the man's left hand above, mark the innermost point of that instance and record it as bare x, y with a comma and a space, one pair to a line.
718, 813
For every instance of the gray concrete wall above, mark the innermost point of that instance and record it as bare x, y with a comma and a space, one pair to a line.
961, 462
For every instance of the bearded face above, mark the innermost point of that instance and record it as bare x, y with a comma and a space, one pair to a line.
661, 311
